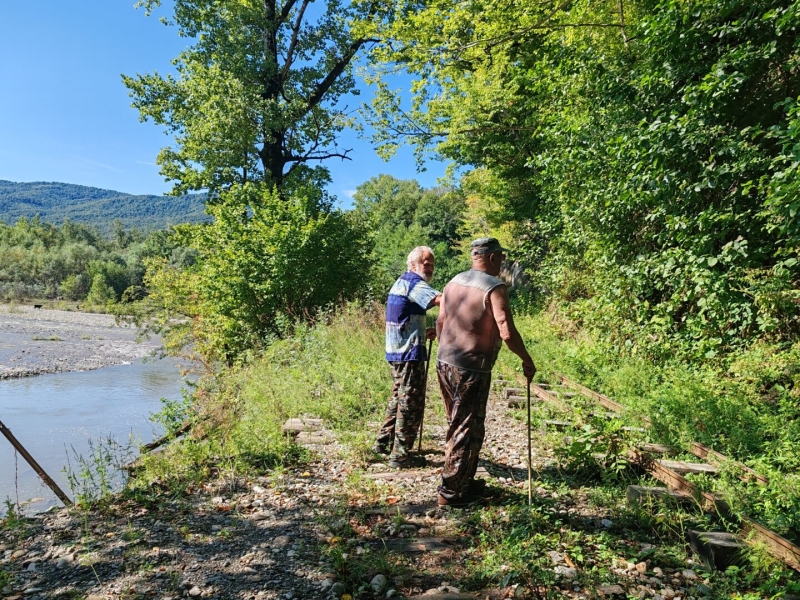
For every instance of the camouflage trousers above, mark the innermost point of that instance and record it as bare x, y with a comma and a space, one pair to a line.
465, 394
405, 409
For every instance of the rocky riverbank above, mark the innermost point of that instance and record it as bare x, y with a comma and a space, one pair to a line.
338, 528
34, 341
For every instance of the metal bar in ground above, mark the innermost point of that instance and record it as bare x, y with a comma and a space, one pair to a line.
34, 465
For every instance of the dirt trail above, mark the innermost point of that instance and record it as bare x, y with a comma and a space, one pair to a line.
301, 533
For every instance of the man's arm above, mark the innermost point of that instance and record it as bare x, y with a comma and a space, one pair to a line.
501, 309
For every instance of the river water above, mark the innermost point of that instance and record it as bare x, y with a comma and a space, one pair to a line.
54, 416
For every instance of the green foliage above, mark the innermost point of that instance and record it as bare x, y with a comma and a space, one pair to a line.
745, 408
642, 156
174, 413
257, 95
100, 474
402, 215
40, 260
263, 263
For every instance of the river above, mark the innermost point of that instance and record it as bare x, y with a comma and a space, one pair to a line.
53, 414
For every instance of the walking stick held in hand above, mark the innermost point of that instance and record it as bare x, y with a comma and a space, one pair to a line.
424, 393
530, 478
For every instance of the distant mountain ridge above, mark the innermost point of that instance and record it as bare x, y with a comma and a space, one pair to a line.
56, 202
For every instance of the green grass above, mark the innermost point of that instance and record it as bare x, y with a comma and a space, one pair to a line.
336, 371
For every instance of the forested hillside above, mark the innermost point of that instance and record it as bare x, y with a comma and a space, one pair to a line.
58, 202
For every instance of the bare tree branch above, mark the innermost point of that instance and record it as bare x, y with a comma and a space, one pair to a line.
298, 23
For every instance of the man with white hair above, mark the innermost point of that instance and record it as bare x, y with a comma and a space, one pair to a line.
409, 299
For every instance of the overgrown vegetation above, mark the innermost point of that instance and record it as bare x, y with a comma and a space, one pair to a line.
334, 369
75, 262
642, 154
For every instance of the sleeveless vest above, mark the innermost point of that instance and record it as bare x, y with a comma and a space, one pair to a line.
470, 338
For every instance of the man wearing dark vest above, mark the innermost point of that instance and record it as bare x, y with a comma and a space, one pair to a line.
474, 319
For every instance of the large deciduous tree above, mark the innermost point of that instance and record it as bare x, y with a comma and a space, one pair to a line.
258, 94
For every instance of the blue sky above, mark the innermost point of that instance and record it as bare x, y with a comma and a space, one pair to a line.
65, 115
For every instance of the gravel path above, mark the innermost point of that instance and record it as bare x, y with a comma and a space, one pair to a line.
36, 341
290, 534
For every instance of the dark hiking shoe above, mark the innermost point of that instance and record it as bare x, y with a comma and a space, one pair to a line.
467, 499
410, 462
381, 449
477, 487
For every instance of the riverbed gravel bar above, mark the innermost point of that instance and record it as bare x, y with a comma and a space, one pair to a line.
35, 341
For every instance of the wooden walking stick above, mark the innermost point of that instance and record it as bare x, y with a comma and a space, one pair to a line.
424, 394
530, 477
34, 465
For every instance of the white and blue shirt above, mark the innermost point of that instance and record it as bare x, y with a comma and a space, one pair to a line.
408, 300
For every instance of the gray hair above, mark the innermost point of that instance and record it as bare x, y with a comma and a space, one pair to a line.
416, 254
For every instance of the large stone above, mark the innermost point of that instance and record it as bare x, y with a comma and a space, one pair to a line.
611, 590
717, 549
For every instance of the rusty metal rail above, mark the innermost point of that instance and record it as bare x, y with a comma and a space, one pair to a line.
665, 472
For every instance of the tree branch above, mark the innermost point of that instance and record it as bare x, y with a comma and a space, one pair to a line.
293, 44
287, 8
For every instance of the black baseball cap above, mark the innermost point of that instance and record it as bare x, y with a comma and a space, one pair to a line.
486, 245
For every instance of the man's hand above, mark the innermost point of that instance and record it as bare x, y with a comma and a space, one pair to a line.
430, 333
528, 369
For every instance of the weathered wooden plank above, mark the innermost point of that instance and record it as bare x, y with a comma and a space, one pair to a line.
638, 494
410, 546
658, 449
311, 438
777, 545
677, 482
682, 467
717, 549
603, 400
295, 426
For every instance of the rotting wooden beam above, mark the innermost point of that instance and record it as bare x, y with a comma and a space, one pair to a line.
677, 482
603, 400
777, 545
545, 395
696, 448
683, 467
704, 452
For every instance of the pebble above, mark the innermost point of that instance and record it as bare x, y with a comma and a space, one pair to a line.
378, 583
337, 589
195, 591
689, 574
566, 572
